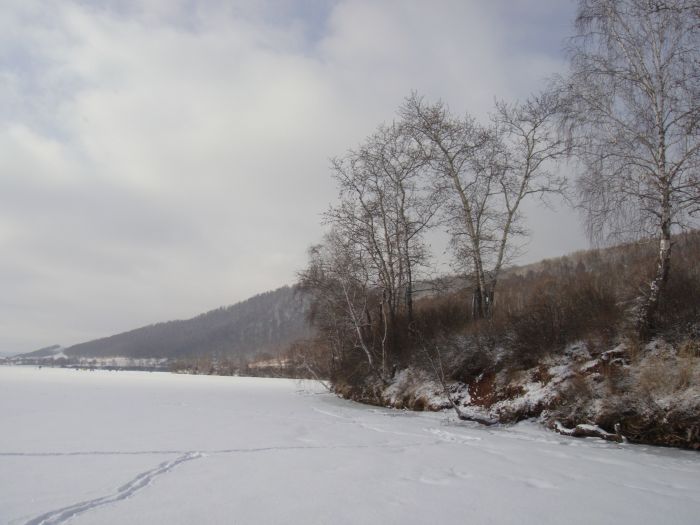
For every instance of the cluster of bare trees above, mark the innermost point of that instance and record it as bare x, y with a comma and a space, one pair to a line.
482, 174
363, 275
628, 112
429, 168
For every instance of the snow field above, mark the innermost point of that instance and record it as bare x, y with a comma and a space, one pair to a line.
134, 447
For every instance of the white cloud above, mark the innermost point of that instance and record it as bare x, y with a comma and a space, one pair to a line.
160, 159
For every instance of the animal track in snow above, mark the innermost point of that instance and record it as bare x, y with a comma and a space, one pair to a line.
141, 481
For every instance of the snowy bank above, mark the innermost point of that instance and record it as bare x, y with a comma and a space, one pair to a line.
648, 395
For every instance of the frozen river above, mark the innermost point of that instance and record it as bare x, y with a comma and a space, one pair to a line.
139, 448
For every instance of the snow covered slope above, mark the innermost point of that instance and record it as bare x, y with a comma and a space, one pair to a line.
149, 448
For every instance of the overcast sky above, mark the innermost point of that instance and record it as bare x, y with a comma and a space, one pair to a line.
162, 158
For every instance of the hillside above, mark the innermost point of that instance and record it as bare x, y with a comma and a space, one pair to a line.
48, 351
264, 323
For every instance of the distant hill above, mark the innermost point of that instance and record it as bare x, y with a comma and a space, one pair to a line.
264, 323
48, 351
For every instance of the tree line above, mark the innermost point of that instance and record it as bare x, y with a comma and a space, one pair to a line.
627, 114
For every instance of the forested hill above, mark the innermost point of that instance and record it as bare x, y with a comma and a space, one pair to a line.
44, 352
263, 323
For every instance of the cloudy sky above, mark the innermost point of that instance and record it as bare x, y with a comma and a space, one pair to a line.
162, 158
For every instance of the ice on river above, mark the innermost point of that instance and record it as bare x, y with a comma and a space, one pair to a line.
149, 448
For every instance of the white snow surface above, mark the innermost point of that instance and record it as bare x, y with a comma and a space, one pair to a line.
156, 448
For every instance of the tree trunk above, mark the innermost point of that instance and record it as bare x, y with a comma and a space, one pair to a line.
409, 294
477, 303
488, 301
482, 301
645, 318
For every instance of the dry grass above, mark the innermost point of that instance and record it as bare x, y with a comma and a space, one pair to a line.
663, 377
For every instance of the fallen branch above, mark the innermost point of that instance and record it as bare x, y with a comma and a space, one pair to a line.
464, 417
584, 430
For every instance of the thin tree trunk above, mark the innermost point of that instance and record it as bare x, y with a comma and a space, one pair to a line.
409, 298
645, 319
360, 337
477, 303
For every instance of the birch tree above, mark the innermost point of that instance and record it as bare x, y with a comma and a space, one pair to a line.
633, 114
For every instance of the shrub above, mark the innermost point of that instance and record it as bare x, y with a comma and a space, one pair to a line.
559, 311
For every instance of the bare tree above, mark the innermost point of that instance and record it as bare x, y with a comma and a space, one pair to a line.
408, 205
532, 148
362, 276
451, 144
633, 114
385, 209
483, 175
338, 280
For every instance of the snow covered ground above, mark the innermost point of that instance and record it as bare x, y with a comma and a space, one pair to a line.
148, 448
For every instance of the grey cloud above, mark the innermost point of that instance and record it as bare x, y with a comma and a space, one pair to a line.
162, 158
